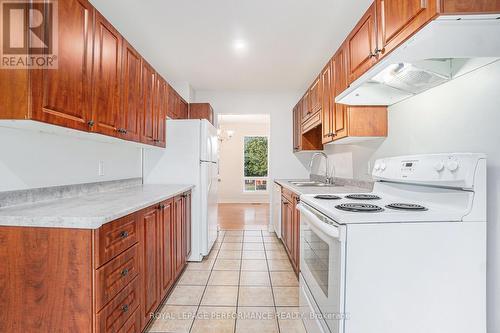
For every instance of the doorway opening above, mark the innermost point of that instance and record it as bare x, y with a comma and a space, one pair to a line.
244, 180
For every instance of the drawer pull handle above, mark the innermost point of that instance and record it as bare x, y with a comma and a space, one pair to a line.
124, 234
125, 308
124, 272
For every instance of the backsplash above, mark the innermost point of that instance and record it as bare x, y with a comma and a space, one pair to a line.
20, 197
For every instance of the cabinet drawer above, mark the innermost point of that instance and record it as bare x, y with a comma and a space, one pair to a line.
133, 324
116, 274
289, 195
120, 309
311, 122
115, 237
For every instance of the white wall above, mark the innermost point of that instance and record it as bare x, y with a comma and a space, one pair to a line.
283, 163
30, 159
460, 116
232, 163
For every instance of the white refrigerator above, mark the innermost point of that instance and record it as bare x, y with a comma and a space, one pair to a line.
191, 157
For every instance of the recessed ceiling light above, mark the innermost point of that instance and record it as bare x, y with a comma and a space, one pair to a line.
240, 45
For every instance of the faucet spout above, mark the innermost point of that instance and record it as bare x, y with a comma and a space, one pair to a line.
327, 179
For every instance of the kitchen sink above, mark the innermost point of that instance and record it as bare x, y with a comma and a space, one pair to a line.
312, 184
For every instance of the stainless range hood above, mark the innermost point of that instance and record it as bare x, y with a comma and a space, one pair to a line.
445, 49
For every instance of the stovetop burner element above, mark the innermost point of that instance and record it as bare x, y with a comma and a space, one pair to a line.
359, 208
327, 197
406, 206
363, 197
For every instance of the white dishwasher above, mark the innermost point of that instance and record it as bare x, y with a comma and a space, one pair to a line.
276, 209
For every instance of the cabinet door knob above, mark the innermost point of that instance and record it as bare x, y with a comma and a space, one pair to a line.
125, 308
90, 123
124, 234
124, 272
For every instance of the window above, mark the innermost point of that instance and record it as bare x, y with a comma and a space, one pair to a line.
256, 151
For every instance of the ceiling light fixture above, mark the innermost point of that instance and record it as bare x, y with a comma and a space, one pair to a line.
239, 45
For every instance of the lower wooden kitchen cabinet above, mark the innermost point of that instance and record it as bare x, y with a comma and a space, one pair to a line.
290, 227
111, 279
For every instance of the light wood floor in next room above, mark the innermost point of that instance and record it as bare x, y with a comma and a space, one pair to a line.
243, 216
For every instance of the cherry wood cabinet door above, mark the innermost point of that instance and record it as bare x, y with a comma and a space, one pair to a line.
148, 105
306, 106
150, 260
468, 6
179, 235
62, 96
161, 105
397, 20
184, 109
130, 115
297, 130
296, 235
326, 104
172, 103
106, 77
167, 247
286, 220
362, 44
339, 65
187, 223
315, 96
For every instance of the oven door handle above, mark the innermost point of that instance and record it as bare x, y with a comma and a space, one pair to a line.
319, 221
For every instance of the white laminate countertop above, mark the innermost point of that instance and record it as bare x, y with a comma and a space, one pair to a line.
320, 190
88, 211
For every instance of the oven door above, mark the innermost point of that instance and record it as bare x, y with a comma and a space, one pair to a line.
322, 265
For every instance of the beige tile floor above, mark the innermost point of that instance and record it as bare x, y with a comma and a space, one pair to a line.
246, 284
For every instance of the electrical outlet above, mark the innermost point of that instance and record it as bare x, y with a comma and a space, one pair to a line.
101, 168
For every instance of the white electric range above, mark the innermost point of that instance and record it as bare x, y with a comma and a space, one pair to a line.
409, 257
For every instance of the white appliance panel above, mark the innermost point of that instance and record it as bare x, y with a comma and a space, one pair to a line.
322, 265
179, 163
209, 142
416, 277
405, 271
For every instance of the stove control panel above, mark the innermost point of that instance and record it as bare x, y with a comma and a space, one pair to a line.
450, 170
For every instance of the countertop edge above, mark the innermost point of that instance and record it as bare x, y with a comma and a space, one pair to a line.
89, 223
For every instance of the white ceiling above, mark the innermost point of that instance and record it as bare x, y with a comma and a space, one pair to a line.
244, 118
284, 42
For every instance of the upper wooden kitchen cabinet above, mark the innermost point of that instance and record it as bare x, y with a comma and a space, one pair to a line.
470, 6
398, 20
149, 107
178, 108
315, 96
327, 108
362, 45
340, 65
106, 77
130, 115
201, 111
297, 128
101, 84
62, 96
305, 106
161, 107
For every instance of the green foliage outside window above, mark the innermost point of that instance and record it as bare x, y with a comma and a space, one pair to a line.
256, 149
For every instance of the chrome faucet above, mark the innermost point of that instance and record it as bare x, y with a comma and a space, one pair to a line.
328, 179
